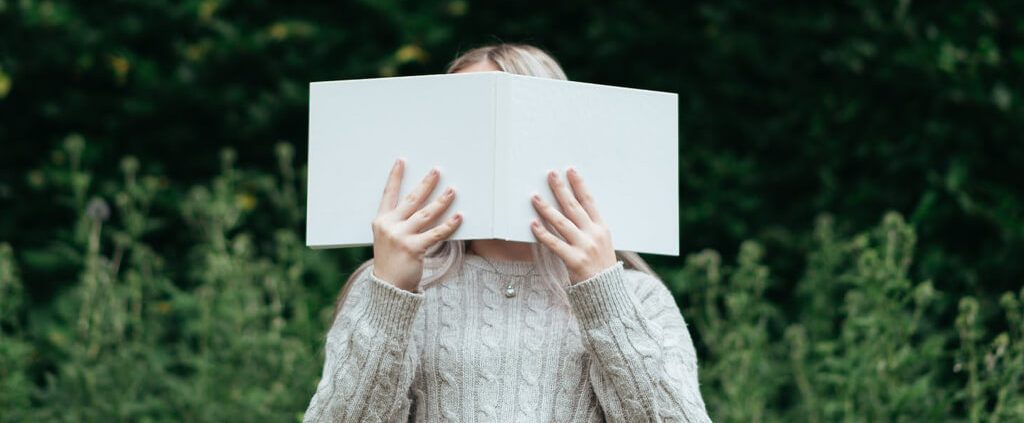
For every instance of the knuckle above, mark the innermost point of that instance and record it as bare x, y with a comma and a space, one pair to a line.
424, 214
391, 236
407, 247
382, 227
439, 235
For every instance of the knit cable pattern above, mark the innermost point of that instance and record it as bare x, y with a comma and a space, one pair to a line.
368, 343
531, 354
642, 350
448, 395
488, 382
462, 351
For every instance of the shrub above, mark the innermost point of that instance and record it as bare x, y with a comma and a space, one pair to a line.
232, 326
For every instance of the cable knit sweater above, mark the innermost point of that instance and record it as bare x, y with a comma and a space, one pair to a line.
462, 351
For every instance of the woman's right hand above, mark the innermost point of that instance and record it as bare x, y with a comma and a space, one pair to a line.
399, 239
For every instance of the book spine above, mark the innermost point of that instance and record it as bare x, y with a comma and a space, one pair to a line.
499, 224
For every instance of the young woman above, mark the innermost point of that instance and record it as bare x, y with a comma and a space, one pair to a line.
564, 329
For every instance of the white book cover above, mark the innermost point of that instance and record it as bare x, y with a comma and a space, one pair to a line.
494, 136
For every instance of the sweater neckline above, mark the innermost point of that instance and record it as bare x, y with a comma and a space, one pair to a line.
503, 267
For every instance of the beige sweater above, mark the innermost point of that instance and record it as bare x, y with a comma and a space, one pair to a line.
463, 351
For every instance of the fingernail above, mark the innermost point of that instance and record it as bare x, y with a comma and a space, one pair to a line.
552, 174
434, 171
535, 197
448, 191
572, 170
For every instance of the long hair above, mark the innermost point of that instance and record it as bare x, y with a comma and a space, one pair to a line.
445, 257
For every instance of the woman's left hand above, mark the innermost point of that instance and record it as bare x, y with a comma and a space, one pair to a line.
587, 248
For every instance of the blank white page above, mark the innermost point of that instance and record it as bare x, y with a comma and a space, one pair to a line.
357, 128
623, 141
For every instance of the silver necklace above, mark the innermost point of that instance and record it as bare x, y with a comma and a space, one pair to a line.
510, 291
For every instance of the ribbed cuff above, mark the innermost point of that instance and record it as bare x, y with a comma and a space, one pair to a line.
390, 308
601, 297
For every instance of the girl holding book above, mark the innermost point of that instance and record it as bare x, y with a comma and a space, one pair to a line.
562, 329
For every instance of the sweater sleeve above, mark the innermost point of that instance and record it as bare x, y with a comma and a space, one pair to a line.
370, 358
644, 365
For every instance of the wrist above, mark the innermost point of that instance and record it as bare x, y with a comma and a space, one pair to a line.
404, 284
580, 276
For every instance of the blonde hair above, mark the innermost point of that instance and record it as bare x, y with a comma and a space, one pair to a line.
447, 256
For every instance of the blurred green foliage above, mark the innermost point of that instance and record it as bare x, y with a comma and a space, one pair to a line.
145, 275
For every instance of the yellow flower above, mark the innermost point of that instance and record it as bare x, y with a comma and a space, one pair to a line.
457, 7
5, 83
196, 51
409, 53
120, 65
207, 9
278, 31
36, 179
245, 201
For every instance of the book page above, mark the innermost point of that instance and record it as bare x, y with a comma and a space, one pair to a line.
357, 128
623, 141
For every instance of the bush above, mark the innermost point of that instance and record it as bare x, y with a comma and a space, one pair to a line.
237, 334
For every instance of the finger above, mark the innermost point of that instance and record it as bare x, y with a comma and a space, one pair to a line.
583, 195
415, 198
428, 214
390, 196
563, 193
438, 233
556, 244
563, 225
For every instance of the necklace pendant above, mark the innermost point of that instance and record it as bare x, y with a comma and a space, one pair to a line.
510, 291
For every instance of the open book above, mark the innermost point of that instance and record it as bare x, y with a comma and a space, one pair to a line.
494, 136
